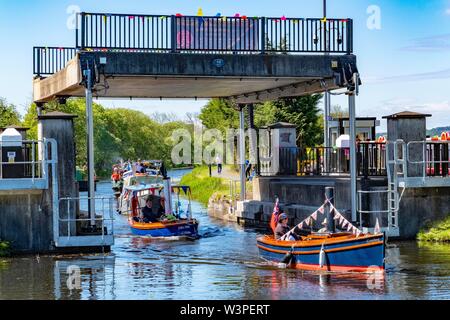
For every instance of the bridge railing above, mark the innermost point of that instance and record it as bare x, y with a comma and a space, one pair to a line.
102, 31
49, 60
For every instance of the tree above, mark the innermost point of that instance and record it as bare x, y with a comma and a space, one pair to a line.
8, 114
305, 114
338, 112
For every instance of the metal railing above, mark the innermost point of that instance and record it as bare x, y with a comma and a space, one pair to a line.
72, 206
21, 162
49, 60
108, 32
311, 161
435, 157
104, 31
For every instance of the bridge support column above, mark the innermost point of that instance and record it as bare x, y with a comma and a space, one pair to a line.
243, 177
90, 145
353, 165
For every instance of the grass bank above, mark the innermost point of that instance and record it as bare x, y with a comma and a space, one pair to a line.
203, 186
5, 248
437, 232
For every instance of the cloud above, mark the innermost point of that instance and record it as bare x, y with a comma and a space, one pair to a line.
433, 75
447, 11
436, 43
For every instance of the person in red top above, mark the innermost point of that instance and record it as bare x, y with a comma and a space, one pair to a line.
116, 175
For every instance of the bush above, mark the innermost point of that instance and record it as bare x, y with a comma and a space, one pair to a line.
5, 248
437, 232
203, 186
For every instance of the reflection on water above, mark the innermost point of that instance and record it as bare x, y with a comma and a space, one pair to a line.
224, 264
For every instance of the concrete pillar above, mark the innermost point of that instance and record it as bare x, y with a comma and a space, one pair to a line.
408, 126
242, 157
284, 148
59, 126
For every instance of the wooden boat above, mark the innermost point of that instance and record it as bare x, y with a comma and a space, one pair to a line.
179, 227
339, 252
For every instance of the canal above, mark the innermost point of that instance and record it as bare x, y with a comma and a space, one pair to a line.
223, 264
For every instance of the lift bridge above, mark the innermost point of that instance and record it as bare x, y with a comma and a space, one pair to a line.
248, 60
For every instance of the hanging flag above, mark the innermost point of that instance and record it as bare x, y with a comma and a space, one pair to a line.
300, 226
350, 227
308, 221
337, 216
275, 214
322, 210
314, 216
185, 189
377, 229
345, 223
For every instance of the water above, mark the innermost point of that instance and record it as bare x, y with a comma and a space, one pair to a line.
224, 264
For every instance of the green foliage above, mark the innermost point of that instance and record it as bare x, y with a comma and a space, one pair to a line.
5, 249
305, 114
203, 186
302, 111
8, 114
118, 133
438, 232
219, 114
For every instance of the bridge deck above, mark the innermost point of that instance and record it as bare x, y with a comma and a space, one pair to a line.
246, 78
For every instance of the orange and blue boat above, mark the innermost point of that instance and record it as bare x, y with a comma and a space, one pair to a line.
176, 227
182, 228
336, 252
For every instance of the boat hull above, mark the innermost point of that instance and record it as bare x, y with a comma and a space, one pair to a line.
186, 228
340, 254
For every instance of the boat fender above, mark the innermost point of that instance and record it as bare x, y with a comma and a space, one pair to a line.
288, 257
322, 257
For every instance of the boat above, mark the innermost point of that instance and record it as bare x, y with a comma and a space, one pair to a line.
138, 186
350, 251
339, 252
176, 227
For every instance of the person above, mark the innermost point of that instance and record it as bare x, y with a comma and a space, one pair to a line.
283, 228
219, 164
150, 213
116, 175
248, 169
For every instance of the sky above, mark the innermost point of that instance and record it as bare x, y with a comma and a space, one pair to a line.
403, 52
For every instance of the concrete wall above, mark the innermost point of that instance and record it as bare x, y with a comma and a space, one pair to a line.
25, 222
26, 216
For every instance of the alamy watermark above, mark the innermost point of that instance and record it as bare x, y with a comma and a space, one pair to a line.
374, 19
212, 146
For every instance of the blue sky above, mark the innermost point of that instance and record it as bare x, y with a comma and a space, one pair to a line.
404, 65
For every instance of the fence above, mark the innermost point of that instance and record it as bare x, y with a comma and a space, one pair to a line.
318, 161
49, 60
19, 160
104, 31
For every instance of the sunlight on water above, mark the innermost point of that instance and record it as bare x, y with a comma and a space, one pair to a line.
223, 264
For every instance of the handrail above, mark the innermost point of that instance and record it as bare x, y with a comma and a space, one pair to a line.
112, 31
49, 60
